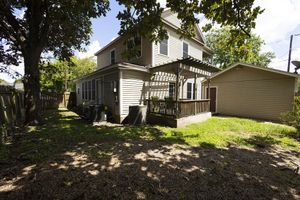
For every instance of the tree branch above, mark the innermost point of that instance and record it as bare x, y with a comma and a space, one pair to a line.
20, 35
236, 6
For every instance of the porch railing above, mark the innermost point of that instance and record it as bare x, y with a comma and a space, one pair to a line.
185, 107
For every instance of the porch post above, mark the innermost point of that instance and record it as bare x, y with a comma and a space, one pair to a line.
195, 87
177, 89
182, 85
208, 89
208, 93
149, 94
195, 94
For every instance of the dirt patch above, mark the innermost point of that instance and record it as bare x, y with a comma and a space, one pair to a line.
154, 170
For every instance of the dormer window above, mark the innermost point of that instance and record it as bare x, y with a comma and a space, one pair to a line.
113, 56
185, 50
163, 47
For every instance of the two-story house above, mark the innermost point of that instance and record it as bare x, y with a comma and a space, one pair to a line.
173, 68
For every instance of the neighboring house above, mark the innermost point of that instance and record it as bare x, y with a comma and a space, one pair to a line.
250, 91
170, 69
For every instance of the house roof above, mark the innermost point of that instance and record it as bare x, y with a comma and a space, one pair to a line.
205, 48
255, 67
190, 66
123, 66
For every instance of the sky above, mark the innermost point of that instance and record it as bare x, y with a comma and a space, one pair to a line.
280, 19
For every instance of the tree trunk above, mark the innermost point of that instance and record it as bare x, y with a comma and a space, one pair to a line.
32, 89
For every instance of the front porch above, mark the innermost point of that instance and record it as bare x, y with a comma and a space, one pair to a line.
177, 110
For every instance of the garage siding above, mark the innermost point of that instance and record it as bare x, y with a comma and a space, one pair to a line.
254, 93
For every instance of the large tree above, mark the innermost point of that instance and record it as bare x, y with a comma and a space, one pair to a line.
230, 48
30, 27
59, 75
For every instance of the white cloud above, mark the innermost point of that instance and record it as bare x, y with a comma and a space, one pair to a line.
90, 50
278, 20
275, 25
282, 63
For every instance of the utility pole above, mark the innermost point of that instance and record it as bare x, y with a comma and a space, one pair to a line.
290, 51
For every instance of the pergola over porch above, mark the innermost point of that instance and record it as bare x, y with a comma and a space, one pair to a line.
183, 69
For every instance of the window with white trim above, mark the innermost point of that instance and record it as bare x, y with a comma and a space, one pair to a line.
163, 47
185, 50
113, 57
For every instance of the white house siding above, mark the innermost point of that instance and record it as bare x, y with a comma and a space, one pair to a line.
172, 18
134, 90
108, 97
78, 94
175, 48
199, 88
103, 58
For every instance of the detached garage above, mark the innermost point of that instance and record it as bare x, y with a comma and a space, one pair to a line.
250, 91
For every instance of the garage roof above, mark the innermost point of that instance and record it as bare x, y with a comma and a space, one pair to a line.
256, 67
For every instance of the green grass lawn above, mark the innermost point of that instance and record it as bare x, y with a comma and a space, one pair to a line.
216, 158
65, 128
221, 132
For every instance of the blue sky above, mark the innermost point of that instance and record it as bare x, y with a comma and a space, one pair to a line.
280, 19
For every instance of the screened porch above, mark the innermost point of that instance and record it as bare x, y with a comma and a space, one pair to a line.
180, 102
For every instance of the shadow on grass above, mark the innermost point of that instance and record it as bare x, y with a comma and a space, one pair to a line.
260, 141
292, 135
69, 159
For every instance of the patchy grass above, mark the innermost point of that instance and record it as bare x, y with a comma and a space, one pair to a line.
67, 158
64, 129
221, 132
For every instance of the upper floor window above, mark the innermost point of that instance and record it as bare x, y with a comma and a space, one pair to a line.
113, 57
134, 47
163, 47
185, 50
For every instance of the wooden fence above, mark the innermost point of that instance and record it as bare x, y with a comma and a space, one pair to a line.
12, 112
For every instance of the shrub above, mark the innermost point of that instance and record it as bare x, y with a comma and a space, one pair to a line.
292, 117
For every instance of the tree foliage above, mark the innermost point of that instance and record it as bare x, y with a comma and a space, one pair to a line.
31, 27
141, 16
59, 75
2, 81
292, 118
230, 48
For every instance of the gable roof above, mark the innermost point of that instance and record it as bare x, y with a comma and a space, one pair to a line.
255, 67
170, 17
167, 12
